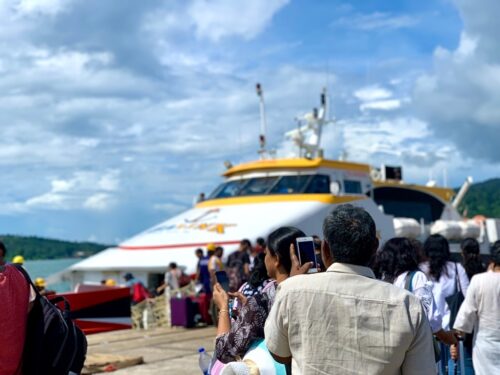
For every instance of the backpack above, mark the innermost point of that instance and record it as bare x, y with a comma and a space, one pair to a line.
54, 344
139, 292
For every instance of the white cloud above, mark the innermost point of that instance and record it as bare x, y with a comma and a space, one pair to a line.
48, 7
376, 21
371, 93
99, 202
61, 186
383, 105
217, 19
176, 98
87, 190
460, 97
376, 97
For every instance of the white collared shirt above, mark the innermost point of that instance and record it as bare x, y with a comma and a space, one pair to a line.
344, 321
445, 287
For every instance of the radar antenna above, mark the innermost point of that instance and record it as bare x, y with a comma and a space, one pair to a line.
307, 136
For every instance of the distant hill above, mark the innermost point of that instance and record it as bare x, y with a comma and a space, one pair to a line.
43, 248
482, 198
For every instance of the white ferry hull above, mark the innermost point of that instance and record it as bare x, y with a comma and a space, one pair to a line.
176, 239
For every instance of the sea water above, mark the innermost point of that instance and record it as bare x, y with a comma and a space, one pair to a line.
47, 267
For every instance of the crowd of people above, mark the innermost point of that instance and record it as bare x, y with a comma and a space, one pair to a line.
399, 307
391, 308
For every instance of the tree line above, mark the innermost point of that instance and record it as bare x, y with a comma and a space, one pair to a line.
42, 248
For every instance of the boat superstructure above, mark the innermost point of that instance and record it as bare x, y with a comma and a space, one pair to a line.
260, 196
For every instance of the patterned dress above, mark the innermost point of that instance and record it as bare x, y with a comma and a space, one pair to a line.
248, 327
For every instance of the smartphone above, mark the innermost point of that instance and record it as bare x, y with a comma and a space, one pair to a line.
223, 280
306, 253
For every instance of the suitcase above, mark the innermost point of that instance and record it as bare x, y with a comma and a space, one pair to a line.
182, 312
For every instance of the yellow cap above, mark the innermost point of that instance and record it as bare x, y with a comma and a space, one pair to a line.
211, 247
18, 259
110, 282
40, 282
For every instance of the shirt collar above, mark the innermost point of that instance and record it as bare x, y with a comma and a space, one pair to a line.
352, 269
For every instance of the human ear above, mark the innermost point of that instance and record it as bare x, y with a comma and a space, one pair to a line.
326, 254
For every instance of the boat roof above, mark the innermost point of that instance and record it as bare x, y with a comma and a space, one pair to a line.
295, 163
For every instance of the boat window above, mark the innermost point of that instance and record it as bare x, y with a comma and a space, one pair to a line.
228, 189
258, 186
405, 202
319, 184
305, 184
290, 185
352, 187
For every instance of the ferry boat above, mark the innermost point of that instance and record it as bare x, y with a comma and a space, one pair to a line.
262, 195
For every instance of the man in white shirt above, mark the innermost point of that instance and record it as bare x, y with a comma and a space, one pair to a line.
344, 321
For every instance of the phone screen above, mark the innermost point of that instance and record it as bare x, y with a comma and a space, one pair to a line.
222, 279
305, 246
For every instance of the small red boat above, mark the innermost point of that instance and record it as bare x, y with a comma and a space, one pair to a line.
98, 308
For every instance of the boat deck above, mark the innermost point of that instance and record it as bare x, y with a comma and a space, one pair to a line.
164, 350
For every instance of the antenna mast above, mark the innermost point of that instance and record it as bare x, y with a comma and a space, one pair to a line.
263, 124
307, 136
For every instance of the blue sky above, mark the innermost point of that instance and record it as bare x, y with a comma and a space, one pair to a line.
115, 114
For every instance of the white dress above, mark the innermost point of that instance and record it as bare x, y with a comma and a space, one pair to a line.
445, 287
421, 287
481, 312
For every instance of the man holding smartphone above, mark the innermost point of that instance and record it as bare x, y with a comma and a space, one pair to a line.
344, 321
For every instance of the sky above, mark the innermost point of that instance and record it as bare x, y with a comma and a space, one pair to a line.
115, 114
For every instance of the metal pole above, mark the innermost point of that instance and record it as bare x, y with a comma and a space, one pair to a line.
263, 124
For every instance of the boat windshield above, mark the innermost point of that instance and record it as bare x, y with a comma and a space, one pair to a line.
303, 184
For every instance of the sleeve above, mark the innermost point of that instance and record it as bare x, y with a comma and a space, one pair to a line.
248, 327
423, 291
419, 358
463, 278
276, 328
246, 259
467, 314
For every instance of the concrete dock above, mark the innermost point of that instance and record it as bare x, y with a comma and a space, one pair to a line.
165, 350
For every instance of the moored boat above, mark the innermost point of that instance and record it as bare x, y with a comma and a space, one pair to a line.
259, 196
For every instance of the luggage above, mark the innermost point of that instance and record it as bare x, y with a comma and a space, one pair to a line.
183, 311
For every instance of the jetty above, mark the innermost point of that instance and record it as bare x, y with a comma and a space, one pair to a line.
144, 352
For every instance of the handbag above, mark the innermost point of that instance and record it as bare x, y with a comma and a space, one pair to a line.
455, 300
435, 343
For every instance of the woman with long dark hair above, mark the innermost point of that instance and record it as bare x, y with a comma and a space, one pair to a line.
471, 257
446, 276
397, 263
258, 277
443, 273
234, 339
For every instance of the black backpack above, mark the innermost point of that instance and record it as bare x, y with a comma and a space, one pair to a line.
54, 344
